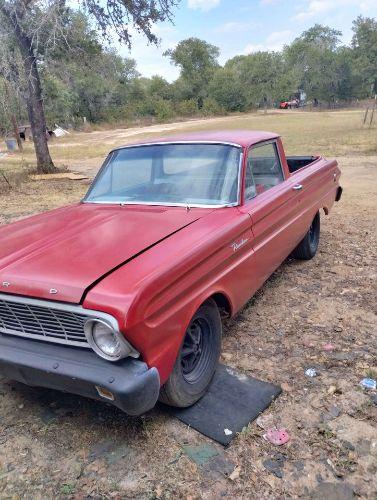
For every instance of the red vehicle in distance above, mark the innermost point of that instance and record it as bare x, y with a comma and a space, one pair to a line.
293, 103
118, 297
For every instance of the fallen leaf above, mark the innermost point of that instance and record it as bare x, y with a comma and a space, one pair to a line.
332, 389
265, 421
286, 387
235, 474
227, 356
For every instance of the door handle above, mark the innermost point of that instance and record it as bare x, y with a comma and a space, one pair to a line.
298, 187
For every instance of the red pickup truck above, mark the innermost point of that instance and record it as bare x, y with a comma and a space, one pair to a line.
118, 297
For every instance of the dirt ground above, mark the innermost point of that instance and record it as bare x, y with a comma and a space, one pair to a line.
56, 445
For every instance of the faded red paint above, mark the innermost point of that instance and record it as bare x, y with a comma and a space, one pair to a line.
106, 257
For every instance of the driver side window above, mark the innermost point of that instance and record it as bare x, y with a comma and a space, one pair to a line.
263, 170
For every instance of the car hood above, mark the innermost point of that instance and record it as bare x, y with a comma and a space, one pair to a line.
58, 255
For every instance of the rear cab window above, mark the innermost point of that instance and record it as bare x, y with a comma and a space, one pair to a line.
263, 170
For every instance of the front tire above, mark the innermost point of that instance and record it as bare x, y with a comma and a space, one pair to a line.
308, 246
197, 359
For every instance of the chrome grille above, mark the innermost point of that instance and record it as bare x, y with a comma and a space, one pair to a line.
42, 322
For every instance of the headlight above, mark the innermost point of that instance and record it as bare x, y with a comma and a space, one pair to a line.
107, 342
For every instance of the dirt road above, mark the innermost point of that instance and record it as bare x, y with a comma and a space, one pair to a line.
55, 445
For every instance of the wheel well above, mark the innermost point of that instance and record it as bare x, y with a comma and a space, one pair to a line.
222, 303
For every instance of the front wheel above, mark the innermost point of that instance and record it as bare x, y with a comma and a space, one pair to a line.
197, 359
308, 246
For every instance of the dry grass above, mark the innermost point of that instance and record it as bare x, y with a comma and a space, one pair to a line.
61, 446
39, 196
333, 133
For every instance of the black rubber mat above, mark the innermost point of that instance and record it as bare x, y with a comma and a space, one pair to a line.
232, 401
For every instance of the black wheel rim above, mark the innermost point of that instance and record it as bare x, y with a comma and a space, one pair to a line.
195, 351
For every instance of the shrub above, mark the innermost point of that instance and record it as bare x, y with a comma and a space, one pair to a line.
188, 107
212, 107
163, 110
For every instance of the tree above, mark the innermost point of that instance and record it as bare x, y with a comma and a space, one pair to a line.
197, 60
263, 76
314, 57
364, 44
321, 36
156, 86
33, 25
349, 82
228, 90
14, 18
10, 91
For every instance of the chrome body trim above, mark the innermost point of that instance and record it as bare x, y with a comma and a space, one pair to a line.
48, 307
159, 204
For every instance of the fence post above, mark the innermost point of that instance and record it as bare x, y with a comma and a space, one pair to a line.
371, 116
365, 115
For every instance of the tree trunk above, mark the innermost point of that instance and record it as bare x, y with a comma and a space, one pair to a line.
36, 115
13, 118
34, 91
16, 132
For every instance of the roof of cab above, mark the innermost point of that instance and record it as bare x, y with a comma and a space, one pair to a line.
242, 138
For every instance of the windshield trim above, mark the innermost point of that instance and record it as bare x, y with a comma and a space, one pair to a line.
167, 204
161, 204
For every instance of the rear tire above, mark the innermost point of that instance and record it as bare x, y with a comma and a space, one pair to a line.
308, 246
197, 359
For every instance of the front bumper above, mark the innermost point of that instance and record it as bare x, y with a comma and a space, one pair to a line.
134, 387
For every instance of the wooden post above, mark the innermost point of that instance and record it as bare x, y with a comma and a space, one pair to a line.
371, 116
365, 115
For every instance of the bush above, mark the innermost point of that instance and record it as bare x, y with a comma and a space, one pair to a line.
188, 107
163, 110
212, 107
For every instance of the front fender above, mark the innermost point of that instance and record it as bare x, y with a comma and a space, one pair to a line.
163, 287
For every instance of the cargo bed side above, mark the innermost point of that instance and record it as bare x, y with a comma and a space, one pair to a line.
296, 163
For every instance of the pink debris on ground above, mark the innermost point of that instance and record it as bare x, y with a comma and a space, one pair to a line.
277, 436
329, 347
308, 343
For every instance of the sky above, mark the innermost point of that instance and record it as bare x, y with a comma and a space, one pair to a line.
243, 26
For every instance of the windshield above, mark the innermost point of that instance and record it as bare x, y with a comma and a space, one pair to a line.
190, 174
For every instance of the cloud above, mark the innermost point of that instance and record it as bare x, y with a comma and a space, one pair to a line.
314, 8
275, 41
279, 37
203, 5
149, 58
235, 27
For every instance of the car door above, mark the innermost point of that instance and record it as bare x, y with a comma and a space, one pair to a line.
273, 205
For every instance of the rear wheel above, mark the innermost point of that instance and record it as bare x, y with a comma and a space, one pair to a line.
308, 246
197, 359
